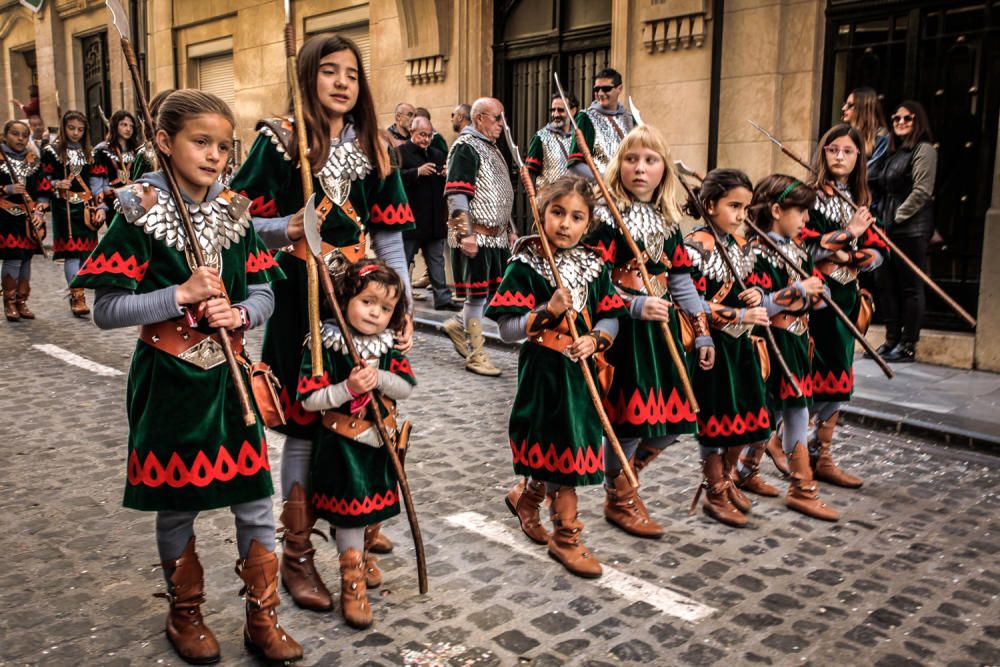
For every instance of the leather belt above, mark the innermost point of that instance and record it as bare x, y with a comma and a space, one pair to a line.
352, 253
628, 276
178, 339
841, 273
360, 430
12, 208
793, 324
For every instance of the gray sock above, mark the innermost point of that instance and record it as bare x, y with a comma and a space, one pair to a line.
296, 457
822, 410
254, 521
796, 421
705, 451
350, 538
173, 530
612, 466
71, 267
473, 309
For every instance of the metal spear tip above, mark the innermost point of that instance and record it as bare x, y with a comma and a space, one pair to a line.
562, 95
119, 18
288, 11
635, 111
764, 132
685, 170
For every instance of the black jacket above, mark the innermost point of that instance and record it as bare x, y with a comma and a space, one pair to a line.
426, 193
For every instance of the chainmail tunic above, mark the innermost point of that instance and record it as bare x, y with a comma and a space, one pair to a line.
555, 148
494, 199
606, 139
577, 267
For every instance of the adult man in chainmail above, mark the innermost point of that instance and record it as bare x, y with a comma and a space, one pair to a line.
604, 124
549, 148
480, 199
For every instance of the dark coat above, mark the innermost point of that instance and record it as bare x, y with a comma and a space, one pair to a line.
426, 193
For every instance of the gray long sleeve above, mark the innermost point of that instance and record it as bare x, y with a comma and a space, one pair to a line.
327, 398
457, 202
97, 185
924, 171
685, 294
115, 307
273, 231
388, 247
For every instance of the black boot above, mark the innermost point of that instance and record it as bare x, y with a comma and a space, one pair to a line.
884, 349
902, 353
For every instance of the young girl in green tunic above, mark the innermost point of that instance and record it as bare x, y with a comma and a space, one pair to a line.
780, 209
359, 198
842, 246
76, 213
24, 196
115, 156
554, 429
352, 482
731, 394
189, 447
646, 402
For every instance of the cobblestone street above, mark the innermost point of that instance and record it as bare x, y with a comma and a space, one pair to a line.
909, 576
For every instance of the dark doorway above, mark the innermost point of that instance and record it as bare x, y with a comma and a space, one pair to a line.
944, 54
96, 88
535, 38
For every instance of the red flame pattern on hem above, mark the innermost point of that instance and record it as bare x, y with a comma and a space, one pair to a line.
354, 507
391, 215
584, 462
310, 383
787, 391
202, 472
649, 410
78, 244
18, 242
831, 384
726, 426
513, 299
114, 264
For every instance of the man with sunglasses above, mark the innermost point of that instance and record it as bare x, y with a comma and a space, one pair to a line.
480, 199
604, 124
549, 148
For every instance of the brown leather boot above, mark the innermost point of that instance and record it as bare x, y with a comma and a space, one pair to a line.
802, 491
524, 501
23, 290
823, 465
564, 544
78, 302
644, 455
623, 508
298, 569
10, 299
736, 496
186, 629
752, 481
354, 603
262, 633
376, 541
717, 503
777, 454
373, 575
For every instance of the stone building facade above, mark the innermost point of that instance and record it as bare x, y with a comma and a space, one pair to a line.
696, 68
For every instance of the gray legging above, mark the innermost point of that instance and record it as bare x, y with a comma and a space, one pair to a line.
18, 269
473, 309
612, 466
254, 521
296, 457
71, 267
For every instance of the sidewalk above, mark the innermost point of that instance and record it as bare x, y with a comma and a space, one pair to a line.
960, 407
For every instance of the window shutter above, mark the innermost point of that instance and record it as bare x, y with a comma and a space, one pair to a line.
215, 75
359, 34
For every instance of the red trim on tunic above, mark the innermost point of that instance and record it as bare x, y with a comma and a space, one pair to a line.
115, 264
260, 261
18, 242
760, 279
681, 259
512, 299
726, 425
400, 367
787, 391
399, 214
478, 288
354, 507
78, 244
308, 383
701, 284
831, 384
44, 185
584, 462
533, 164
98, 170
612, 302
459, 188
261, 207
577, 156
649, 410
202, 472
293, 410
873, 240
607, 252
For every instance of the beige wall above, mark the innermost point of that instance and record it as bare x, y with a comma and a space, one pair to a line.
17, 33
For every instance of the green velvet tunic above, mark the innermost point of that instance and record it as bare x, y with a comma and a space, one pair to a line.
352, 483
71, 237
15, 243
732, 394
273, 184
188, 447
646, 399
554, 430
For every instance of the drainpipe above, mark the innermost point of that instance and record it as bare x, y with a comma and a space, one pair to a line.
718, 10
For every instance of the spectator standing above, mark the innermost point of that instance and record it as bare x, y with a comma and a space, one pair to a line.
904, 193
399, 131
863, 111
437, 141
422, 168
461, 117
32, 108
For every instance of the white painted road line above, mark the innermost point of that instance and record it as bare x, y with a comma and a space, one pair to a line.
629, 587
77, 360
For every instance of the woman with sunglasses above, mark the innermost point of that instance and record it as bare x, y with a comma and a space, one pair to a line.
903, 185
863, 111
842, 246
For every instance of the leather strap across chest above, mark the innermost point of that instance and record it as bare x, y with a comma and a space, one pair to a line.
178, 339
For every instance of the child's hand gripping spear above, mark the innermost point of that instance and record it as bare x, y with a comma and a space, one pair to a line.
120, 20
588, 376
647, 283
318, 272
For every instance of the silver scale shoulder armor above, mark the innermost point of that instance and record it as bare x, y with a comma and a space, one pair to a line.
789, 251
647, 227
577, 267
218, 223
711, 265
555, 148
368, 347
22, 168
494, 199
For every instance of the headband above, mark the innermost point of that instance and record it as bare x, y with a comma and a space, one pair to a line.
791, 186
365, 270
